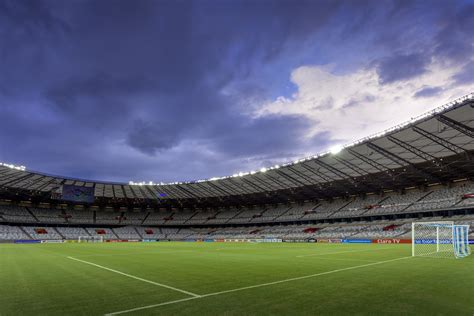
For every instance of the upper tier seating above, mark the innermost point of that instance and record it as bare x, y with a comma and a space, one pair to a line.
108, 217
51, 216
80, 217
158, 217
133, 218
16, 214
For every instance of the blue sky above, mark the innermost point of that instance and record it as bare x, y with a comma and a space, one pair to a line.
183, 90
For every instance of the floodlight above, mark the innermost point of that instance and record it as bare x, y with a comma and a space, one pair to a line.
336, 149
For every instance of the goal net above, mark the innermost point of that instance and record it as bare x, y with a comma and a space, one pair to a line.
91, 239
440, 239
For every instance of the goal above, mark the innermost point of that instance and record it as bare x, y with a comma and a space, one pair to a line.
440, 240
90, 239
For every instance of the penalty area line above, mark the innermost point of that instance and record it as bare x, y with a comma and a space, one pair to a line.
255, 286
194, 295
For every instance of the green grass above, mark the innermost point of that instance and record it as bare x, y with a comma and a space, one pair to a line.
40, 279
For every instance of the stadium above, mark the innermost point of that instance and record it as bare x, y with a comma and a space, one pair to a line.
237, 157
329, 228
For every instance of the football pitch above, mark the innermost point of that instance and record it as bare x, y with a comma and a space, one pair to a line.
188, 278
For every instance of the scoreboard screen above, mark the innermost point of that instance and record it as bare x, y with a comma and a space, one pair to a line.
75, 193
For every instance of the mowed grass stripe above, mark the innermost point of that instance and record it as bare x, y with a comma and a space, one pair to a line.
135, 277
255, 286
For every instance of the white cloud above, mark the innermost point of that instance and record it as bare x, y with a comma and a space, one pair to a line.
352, 106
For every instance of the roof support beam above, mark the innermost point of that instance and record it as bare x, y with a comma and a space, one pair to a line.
300, 185
440, 141
350, 165
322, 176
460, 127
208, 191
226, 194
287, 176
361, 172
60, 182
302, 175
168, 191
336, 171
369, 161
342, 190
311, 181
17, 179
273, 180
422, 154
418, 152
401, 161
252, 184
189, 192
232, 189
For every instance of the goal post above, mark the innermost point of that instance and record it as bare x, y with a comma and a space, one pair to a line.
440, 240
461, 240
90, 239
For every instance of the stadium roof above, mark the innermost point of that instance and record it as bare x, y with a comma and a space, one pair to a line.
437, 147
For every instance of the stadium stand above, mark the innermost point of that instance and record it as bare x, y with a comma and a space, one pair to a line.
373, 230
80, 217
106, 233
16, 214
41, 232
133, 218
108, 217
12, 233
51, 216
127, 232
72, 233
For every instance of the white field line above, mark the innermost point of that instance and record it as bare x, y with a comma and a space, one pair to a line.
334, 253
255, 286
135, 277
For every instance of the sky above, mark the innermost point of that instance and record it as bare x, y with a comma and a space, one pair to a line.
184, 90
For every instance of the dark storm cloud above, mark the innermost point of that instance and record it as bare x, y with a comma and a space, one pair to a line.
249, 137
401, 67
454, 41
152, 137
428, 92
411, 34
164, 90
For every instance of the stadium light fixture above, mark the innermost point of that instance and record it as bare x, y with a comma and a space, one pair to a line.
263, 169
336, 149
12, 166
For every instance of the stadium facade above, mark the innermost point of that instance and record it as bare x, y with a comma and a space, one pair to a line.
422, 168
